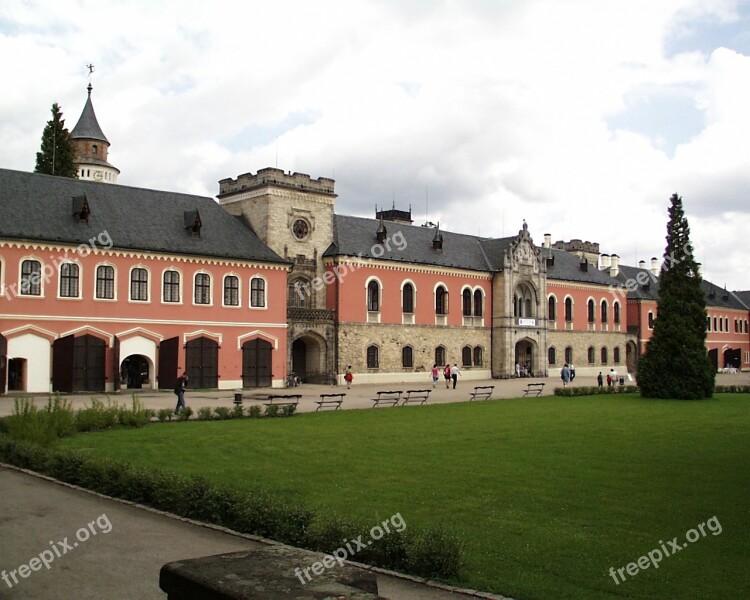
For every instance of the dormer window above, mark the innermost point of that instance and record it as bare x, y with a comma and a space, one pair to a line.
81, 209
193, 222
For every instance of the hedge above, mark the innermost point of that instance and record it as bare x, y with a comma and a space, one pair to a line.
595, 390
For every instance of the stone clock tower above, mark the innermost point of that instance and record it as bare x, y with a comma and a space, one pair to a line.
293, 215
91, 147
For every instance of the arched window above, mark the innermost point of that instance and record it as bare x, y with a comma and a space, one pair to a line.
616, 307
569, 355
440, 355
441, 301
258, 292
650, 320
373, 357
31, 278
591, 307
466, 356
605, 316
515, 306
527, 305
139, 284
552, 308
407, 357
478, 356
68, 280
408, 298
105, 282
616, 355
466, 298
478, 303
569, 309
231, 290
591, 355
551, 355
373, 296
171, 286
202, 288
299, 293
604, 355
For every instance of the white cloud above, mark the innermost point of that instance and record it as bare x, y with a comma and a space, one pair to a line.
497, 111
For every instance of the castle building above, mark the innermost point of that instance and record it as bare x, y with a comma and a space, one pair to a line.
105, 287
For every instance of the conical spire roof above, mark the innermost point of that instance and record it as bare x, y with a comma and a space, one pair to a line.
87, 126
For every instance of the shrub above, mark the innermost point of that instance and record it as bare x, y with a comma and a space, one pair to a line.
164, 414
732, 389
222, 412
254, 412
434, 553
238, 411
98, 416
185, 414
205, 413
40, 426
595, 390
288, 410
272, 410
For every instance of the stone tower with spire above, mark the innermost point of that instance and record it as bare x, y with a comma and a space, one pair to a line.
91, 147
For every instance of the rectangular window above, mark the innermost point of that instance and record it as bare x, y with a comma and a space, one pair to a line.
171, 291
31, 278
202, 288
105, 282
257, 292
68, 280
231, 291
139, 285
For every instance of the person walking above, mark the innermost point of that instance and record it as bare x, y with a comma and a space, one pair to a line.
447, 375
348, 377
435, 375
454, 374
565, 375
179, 388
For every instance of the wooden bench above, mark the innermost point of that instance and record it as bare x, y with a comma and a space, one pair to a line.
482, 392
533, 389
392, 398
330, 400
420, 396
283, 400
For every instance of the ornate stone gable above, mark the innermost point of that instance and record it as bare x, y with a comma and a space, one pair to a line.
522, 256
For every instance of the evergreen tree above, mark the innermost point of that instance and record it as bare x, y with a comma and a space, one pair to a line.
58, 152
676, 364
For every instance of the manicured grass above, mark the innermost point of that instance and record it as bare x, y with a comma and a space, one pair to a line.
547, 493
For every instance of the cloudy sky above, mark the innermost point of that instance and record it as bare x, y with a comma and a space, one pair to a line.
580, 116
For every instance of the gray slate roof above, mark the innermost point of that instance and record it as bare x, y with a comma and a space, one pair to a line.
355, 236
721, 298
567, 267
744, 297
40, 208
87, 126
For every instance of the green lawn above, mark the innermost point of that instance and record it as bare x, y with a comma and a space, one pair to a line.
548, 494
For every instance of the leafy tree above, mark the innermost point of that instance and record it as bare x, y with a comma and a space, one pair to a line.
676, 364
58, 152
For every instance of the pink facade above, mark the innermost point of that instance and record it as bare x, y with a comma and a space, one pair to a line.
148, 309
591, 308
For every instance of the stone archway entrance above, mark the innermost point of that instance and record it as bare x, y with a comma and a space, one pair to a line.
526, 358
732, 358
309, 358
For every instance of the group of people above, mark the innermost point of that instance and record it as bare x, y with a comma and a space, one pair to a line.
611, 378
567, 374
449, 374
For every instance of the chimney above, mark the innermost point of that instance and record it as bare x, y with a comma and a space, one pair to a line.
547, 240
437, 240
382, 232
584, 265
654, 266
614, 268
641, 264
605, 262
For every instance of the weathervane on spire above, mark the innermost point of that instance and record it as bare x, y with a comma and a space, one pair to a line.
90, 67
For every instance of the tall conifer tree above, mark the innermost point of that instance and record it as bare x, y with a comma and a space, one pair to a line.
676, 364
57, 153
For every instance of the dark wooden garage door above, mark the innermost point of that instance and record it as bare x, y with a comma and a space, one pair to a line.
168, 363
202, 363
78, 364
256, 364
